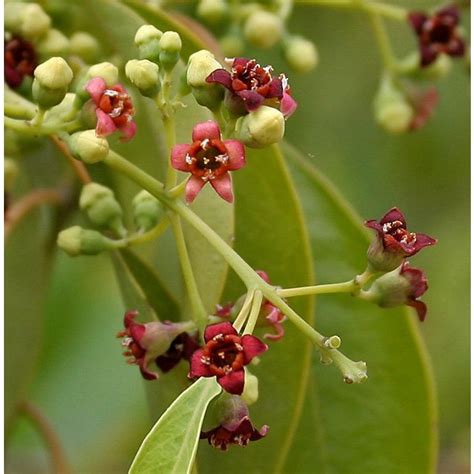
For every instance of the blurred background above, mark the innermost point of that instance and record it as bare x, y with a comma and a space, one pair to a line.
426, 174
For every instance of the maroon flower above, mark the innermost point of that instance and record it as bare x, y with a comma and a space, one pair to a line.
224, 355
437, 34
114, 109
418, 284
19, 60
145, 343
394, 242
182, 347
424, 103
208, 159
251, 85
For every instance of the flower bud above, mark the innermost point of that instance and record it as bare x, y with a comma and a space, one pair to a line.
107, 71
26, 19
54, 43
170, 46
393, 112
301, 54
146, 210
147, 39
143, 75
263, 29
52, 79
439, 69
78, 241
85, 46
250, 393
101, 207
232, 45
260, 128
212, 11
88, 147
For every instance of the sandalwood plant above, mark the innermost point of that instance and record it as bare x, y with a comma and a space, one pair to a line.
154, 149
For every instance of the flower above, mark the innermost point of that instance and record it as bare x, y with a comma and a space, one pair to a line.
224, 355
403, 285
182, 347
424, 102
393, 242
437, 34
208, 159
145, 343
251, 85
19, 60
114, 109
235, 426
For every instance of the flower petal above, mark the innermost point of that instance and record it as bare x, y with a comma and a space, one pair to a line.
456, 47
96, 88
193, 186
252, 100
220, 76
146, 373
252, 347
203, 130
393, 215
288, 105
420, 308
198, 367
128, 131
423, 240
276, 88
417, 20
223, 187
220, 328
236, 153
233, 382
428, 55
178, 157
105, 125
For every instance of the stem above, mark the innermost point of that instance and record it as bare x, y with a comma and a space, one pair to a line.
344, 287
152, 234
79, 168
383, 41
58, 457
254, 312
30, 128
243, 313
178, 189
199, 312
170, 133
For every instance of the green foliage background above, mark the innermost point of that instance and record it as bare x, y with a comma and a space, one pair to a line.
97, 403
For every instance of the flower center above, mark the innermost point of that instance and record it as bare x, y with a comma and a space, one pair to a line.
398, 231
117, 105
223, 354
19, 56
207, 159
251, 76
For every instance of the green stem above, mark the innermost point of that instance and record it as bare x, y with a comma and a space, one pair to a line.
29, 128
243, 313
199, 312
178, 189
170, 133
152, 234
254, 312
382, 40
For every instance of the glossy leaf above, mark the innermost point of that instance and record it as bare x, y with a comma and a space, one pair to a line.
171, 445
388, 423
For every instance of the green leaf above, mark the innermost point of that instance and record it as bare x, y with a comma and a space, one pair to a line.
388, 423
170, 446
270, 235
160, 299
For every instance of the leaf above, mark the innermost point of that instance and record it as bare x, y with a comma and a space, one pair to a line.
160, 299
170, 446
389, 422
270, 235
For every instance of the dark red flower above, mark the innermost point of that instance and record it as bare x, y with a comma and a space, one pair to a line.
20, 60
251, 85
418, 284
424, 103
146, 342
114, 109
394, 242
437, 34
224, 355
182, 347
208, 159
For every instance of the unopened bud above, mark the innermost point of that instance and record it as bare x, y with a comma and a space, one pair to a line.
85, 46
26, 19
260, 128
393, 112
107, 71
232, 45
147, 39
52, 79
301, 54
143, 74
263, 29
54, 43
146, 210
439, 69
101, 207
250, 393
88, 147
212, 11
170, 47
78, 241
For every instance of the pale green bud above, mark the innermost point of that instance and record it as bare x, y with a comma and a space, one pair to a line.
147, 39
143, 74
260, 128
147, 210
212, 11
88, 147
85, 46
250, 393
263, 29
101, 206
54, 43
78, 241
439, 69
170, 46
301, 54
107, 71
232, 45
27, 19
392, 110
52, 79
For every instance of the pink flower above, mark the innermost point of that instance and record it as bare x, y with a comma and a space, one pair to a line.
251, 85
208, 159
114, 109
224, 355
437, 34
